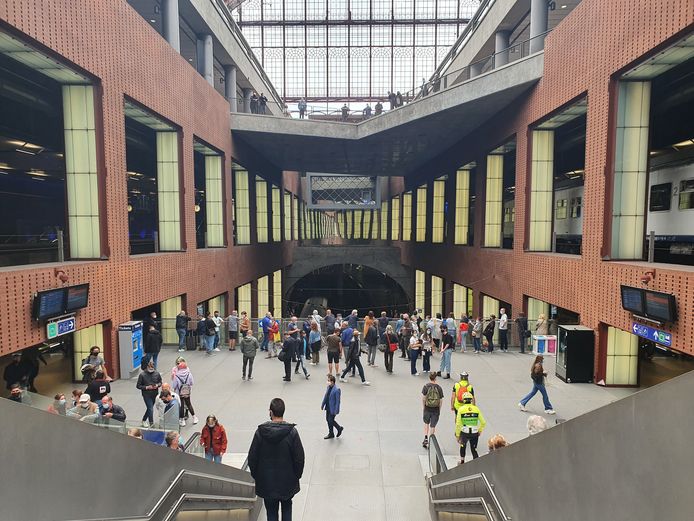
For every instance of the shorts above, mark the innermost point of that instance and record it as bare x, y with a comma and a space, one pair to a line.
333, 357
233, 335
431, 418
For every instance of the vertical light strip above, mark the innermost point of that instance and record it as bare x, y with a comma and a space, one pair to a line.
169, 310
407, 216
81, 173
395, 219
375, 221
263, 297
630, 170
287, 216
261, 209
349, 215
384, 221
436, 295
169, 203
438, 218
214, 201
493, 204
622, 357
367, 224
295, 218
462, 206
541, 191
242, 210
459, 300
419, 287
243, 299
276, 214
277, 294
470, 301
358, 224
421, 234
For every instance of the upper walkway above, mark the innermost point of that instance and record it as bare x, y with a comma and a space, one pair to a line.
398, 142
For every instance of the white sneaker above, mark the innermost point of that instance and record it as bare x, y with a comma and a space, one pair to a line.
366, 382
182, 423
181, 350
522, 407
416, 374
550, 411
195, 420
216, 350
342, 379
145, 423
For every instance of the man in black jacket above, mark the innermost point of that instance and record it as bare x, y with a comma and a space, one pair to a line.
110, 411
276, 460
153, 344
290, 347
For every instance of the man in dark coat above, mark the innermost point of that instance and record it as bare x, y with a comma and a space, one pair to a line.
153, 344
276, 460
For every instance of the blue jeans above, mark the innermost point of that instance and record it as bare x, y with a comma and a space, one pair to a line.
463, 340
445, 362
155, 357
426, 366
477, 343
414, 354
216, 339
264, 343
181, 338
209, 343
149, 398
543, 391
217, 458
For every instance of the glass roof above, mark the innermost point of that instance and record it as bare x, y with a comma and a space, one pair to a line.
351, 50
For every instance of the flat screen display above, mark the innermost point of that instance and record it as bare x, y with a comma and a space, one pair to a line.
50, 303
659, 306
77, 297
633, 300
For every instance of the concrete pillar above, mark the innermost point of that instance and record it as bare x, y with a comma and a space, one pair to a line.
501, 44
170, 23
541, 191
476, 69
230, 87
204, 50
538, 24
247, 93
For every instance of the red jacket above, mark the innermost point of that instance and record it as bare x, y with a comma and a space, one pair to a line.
218, 444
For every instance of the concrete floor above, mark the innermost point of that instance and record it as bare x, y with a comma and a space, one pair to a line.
374, 471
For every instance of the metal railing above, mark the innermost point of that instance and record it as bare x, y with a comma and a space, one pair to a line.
21, 248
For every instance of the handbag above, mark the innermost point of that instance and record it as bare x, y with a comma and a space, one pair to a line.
393, 347
382, 348
282, 355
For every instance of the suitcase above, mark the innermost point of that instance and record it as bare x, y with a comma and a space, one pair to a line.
191, 342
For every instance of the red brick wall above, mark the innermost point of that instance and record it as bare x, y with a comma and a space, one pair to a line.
596, 41
113, 43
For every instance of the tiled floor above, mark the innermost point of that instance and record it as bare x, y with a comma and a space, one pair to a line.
373, 472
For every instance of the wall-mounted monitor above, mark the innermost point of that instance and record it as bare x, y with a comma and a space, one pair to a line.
77, 297
660, 306
633, 300
49, 303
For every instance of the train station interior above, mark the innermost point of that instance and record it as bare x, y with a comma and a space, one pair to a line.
518, 171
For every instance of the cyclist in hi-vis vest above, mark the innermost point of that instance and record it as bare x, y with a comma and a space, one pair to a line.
460, 388
469, 425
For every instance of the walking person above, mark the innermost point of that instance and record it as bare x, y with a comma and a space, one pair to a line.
489, 333
523, 332
182, 320
503, 330
346, 337
477, 334
210, 333
391, 341
249, 348
427, 347
233, 329
245, 323
415, 348
300, 354
435, 324
333, 341
265, 323
469, 424
290, 349
218, 321
463, 329
148, 382
329, 322
432, 398
214, 438
371, 339
331, 406
274, 338
314, 340
353, 356
538, 375
405, 335
276, 460
302, 108
447, 347
183, 386
153, 344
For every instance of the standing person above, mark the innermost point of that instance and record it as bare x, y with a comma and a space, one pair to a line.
432, 398
427, 347
153, 344
489, 333
469, 425
331, 406
353, 356
233, 329
276, 460
93, 363
537, 374
353, 319
383, 321
345, 112
314, 341
369, 321
245, 323
329, 322
503, 330
391, 341
262, 103
315, 316
451, 325
99, 387
447, 347
214, 438
477, 334
379, 108
523, 333
150, 320
265, 323
149, 383
542, 325
17, 372
333, 341
249, 347
405, 335
30, 358
218, 321
254, 103
300, 354
183, 386
398, 100
391, 100
182, 320
201, 333
289, 351
371, 339
463, 329
366, 112
210, 334
302, 108
436, 333
275, 338
414, 349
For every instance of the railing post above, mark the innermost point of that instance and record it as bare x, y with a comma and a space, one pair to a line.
651, 246
61, 246
155, 238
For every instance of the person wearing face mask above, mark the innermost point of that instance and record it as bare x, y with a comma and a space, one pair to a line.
331, 406
214, 438
85, 410
93, 363
99, 387
18, 395
110, 411
59, 405
149, 383
161, 407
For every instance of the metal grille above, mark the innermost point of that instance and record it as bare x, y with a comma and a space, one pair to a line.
337, 192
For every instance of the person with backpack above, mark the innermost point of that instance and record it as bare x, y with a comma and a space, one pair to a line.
489, 333
469, 424
459, 389
432, 398
249, 347
153, 344
183, 385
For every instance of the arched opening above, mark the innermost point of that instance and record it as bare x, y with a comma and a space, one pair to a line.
344, 287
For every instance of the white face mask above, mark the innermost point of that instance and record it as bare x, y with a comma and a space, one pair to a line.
84, 405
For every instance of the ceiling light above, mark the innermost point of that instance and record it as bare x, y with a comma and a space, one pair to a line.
196, 208
564, 6
130, 208
682, 144
153, 21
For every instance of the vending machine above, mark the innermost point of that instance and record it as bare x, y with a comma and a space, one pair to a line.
130, 348
575, 355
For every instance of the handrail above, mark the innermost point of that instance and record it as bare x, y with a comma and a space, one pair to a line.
438, 454
473, 477
477, 500
190, 441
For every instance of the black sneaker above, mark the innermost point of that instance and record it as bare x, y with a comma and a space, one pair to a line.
329, 437
339, 432
425, 443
